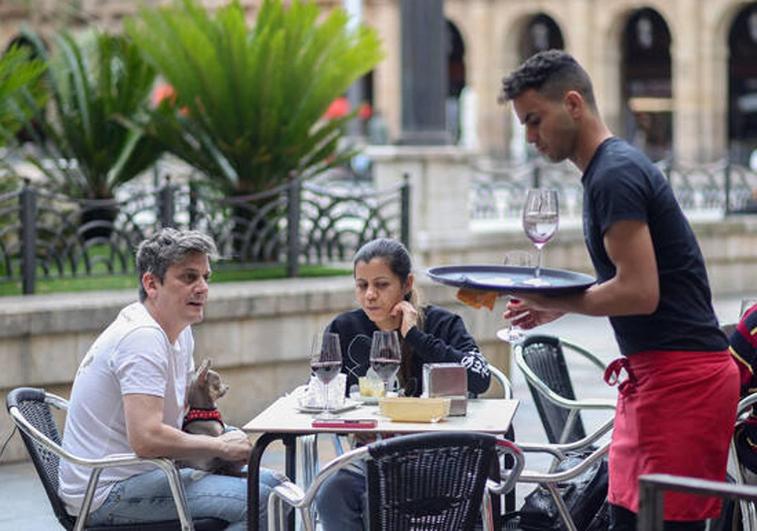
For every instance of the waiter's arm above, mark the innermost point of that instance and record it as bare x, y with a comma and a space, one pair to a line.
634, 290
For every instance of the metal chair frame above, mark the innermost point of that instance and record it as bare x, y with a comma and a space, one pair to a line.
307, 445
748, 508
560, 449
550, 480
574, 406
502, 380
290, 493
652, 487
301, 499
33, 436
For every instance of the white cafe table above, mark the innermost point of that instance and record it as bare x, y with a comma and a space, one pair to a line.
282, 421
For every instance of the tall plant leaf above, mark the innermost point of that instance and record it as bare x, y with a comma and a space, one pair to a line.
21, 93
89, 146
250, 100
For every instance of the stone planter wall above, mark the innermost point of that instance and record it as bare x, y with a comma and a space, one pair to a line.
258, 335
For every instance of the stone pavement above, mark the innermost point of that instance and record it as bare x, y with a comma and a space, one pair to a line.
23, 505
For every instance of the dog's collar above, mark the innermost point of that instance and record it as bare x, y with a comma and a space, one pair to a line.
198, 413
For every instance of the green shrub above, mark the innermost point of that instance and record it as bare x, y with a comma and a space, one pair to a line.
248, 103
87, 146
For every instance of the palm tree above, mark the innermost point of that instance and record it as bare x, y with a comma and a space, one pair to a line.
20, 91
249, 102
88, 148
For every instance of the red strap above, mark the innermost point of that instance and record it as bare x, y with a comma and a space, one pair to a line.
504, 443
202, 414
612, 376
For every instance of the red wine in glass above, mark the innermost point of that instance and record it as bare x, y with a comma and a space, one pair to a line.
326, 363
386, 368
385, 355
325, 370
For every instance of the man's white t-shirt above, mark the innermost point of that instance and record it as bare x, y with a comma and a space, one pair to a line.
132, 356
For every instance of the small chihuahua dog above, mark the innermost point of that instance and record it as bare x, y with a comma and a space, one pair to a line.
203, 417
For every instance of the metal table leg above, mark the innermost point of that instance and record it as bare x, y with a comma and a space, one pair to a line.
253, 479
253, 474
290, 467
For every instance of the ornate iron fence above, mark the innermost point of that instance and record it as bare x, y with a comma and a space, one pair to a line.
499, 190
44, 235
722, 187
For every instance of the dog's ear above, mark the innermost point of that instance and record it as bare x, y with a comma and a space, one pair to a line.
201, 374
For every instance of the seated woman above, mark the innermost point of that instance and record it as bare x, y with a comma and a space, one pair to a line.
428, 334
744, 350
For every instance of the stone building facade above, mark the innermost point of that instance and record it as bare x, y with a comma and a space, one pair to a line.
679, 77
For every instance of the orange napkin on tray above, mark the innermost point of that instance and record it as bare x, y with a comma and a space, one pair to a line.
477, 298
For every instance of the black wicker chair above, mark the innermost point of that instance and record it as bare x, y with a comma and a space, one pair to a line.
420, 482
542, 361
307, 445
30, 410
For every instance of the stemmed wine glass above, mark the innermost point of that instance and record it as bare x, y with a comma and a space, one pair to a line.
514, 333
541, 213
326, 363
385, 355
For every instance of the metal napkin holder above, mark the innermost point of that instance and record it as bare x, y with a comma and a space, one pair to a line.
449, 380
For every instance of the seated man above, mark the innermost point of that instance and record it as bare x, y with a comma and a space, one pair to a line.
129, 395
744, 350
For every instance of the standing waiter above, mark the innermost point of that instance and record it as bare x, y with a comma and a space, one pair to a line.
680, 381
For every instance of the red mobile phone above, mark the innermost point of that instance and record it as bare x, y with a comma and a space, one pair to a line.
347, 424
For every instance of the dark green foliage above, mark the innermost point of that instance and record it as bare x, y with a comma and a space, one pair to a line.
21, 93
249, 102
87, 146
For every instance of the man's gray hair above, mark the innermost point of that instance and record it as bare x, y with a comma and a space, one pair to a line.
168, 247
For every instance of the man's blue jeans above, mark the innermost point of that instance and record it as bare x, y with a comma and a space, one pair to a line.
342, 501
147, 498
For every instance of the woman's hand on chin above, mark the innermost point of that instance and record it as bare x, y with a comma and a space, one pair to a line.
408, 315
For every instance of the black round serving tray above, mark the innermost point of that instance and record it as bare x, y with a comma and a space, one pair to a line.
510, 279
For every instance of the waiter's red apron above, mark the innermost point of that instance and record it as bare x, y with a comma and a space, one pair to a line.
675, 415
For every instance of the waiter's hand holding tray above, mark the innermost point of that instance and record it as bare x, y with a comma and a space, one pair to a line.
480, 285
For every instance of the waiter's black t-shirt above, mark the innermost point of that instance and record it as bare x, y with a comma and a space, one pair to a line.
621, 183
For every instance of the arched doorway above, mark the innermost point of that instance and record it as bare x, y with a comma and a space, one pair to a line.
456, 79
646, 88
539, 34
742, 85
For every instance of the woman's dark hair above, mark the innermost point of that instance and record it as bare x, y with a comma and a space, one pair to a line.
394, 254
397, 257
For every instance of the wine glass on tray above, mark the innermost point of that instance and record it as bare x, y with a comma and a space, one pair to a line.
541, 213
514, 333
326, 363
385, 356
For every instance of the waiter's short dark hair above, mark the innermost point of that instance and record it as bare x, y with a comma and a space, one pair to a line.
551, 73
